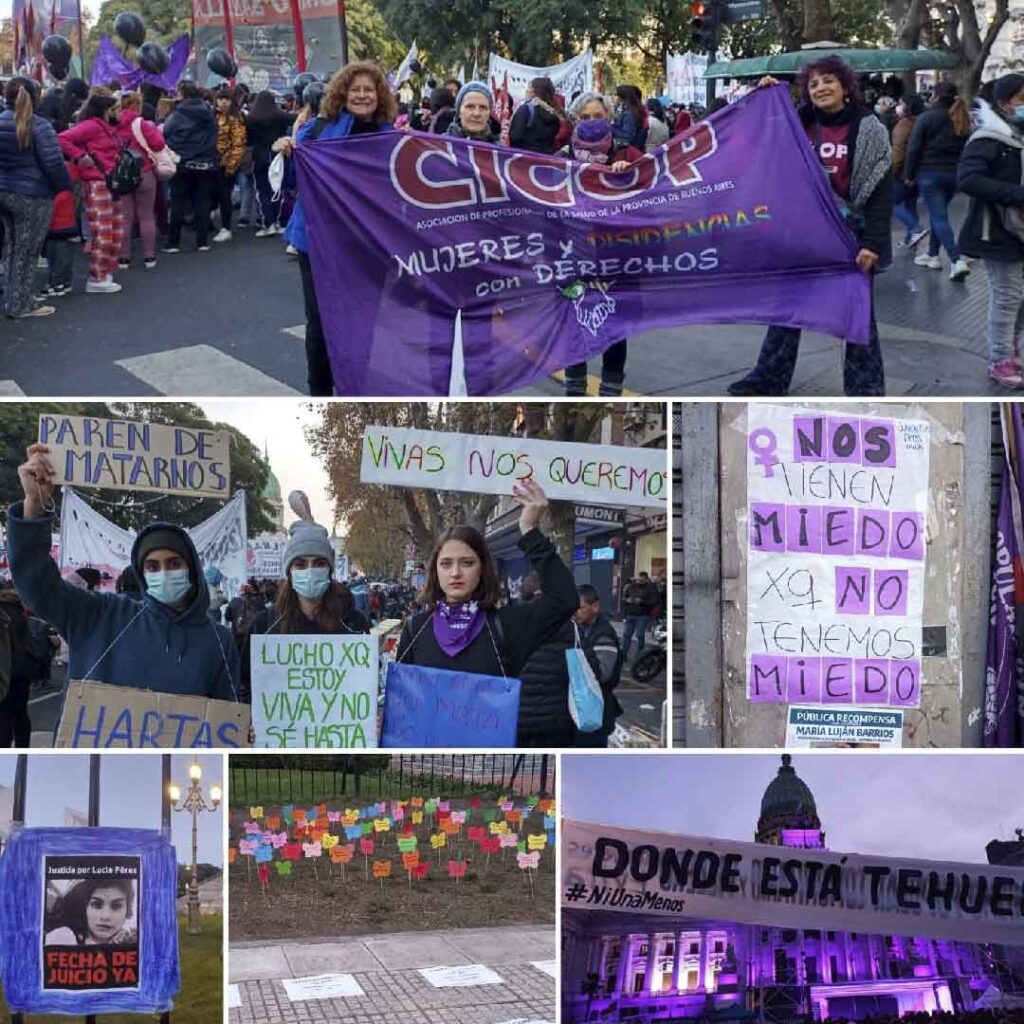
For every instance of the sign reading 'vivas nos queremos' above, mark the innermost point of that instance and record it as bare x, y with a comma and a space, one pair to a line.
837, 507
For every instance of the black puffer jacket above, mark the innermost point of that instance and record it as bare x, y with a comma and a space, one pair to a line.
544, 719
990, 173
191, 131
933, 146
534, 127
38, 171
262, 133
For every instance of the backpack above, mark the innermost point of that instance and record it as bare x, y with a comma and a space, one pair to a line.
126, 174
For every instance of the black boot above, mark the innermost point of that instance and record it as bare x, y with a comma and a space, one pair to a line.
576, 384
611, 383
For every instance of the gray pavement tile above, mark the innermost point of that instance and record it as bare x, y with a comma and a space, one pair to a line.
328, 958
413, 950
501, 946
258, 963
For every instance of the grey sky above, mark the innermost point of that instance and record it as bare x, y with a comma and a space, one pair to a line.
129, 794
932, 806
279, 424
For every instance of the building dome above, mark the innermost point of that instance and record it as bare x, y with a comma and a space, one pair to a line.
272, 490
787, 803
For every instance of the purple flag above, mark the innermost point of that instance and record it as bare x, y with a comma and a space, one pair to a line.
110, 64
1004, 677
549, 261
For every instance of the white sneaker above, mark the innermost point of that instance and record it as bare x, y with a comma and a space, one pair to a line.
959, 271
265, 232
222, 236
105, 287
43, 263
931, 262
277, 229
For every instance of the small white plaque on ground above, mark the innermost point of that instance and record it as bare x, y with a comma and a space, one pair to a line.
548, 967
321, 986
523, 1020
461, 976
234, 997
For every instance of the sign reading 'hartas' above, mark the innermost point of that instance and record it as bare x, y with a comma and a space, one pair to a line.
603, 474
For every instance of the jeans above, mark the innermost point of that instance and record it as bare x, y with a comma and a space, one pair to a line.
318, 366
60, 254
195, 189
1005, 310
937, 190
904, 207
634, 624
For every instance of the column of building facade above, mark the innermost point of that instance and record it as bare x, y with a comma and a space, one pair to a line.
847, 955
624, 958
677, 960
650, 967
702, 961
602, 965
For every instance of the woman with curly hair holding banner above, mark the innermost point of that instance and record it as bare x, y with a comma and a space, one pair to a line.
854, 151
357, 101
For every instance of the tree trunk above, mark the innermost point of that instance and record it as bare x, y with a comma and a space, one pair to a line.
819, 25
790, 29
910, 18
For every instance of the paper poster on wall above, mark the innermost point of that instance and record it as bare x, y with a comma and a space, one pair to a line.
314, 691
91, 923
130, 455
484, 464
88, 921
823, 727
836, 516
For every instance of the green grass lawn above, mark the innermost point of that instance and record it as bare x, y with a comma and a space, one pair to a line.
200, 1000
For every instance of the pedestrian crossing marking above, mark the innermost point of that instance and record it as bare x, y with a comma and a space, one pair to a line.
10, 389
298, 331
202, 370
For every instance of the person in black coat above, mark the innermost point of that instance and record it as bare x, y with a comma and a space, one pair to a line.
264, 125
191, 131
462, 629
990, 173
600, 643
536, 124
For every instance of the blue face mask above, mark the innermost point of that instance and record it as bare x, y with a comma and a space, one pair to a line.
168, 586
1018, 115
311, 583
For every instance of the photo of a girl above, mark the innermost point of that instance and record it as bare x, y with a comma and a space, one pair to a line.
93, 912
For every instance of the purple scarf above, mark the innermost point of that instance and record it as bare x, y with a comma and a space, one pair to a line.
456, 626
592, 141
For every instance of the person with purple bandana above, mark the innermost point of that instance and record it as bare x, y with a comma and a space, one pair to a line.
462, 629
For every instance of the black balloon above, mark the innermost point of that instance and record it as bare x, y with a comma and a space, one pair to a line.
152, 57
57, 51
416, 67
131, 28
313, 94
220, 62
59, 71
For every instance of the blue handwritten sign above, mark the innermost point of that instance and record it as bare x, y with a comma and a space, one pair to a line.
100, 716
134, 971
429, 707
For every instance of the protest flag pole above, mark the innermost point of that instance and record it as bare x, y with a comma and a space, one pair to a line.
94, 817
18, 818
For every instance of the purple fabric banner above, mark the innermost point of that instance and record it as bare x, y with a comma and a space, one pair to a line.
110, 64
550, 261
1004, 677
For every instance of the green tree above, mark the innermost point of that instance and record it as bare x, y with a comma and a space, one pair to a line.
369, 37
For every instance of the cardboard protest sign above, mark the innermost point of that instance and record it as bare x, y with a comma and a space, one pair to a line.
315, 690
102, 717
88, 921
837, 508
136, 456
608, 474
428, 707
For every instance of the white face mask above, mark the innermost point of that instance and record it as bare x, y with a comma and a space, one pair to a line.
311, 583
168, 586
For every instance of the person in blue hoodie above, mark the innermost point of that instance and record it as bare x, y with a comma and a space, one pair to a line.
165, 642
357, 101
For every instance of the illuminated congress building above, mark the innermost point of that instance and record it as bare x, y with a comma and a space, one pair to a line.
639, 968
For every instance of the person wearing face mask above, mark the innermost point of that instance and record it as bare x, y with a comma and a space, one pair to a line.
94, 146
990, 173
593, 142
462, 629
163, 642
308, 600
473, 107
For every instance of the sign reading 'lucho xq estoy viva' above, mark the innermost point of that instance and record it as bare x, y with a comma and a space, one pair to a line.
837, 507
605, 867
602, 474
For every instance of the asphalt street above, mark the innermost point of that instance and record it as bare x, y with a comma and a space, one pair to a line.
230, 322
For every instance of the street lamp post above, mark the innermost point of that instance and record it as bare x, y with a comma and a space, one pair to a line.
195, 803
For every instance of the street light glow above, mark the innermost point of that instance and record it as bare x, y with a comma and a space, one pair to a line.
215, 794
195, 773
174, 792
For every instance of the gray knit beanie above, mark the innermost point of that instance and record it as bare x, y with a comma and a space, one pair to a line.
306, 539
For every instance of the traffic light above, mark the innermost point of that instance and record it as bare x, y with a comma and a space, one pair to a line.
704, 22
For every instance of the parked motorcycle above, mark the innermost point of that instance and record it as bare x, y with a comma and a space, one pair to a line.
654, 657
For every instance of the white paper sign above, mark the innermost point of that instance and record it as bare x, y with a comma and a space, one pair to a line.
600, 474
823, 726
462, 976
321, 986
234, 997
569, 77
684, 73
836, 518
314, 690
548, 967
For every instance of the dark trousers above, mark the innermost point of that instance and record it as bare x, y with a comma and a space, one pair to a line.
267, 209
60, 254
613, 370
225, 189
318, 366
15, 725
191, 190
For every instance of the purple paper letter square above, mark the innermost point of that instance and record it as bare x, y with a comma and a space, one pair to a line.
871, 681
843, 439
891, 591
803, 528
838, 531
766, 683
815, 434
872, 532
836, 681
878, 443
767, 527
906, 537
905, 684
804, 685
853, 590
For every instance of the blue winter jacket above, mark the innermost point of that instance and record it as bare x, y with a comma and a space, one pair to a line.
151, 646
295, 233
37, 171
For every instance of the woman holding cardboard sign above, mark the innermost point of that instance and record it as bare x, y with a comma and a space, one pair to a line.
163, 642
308, 600
463, 630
